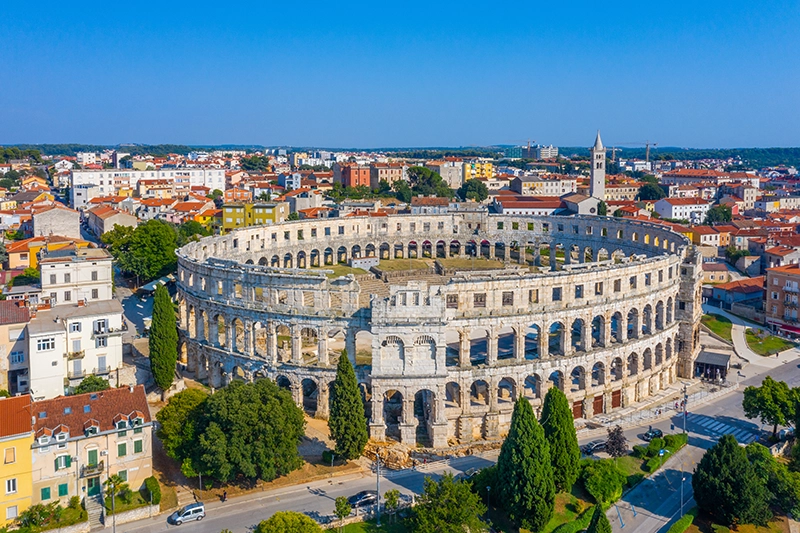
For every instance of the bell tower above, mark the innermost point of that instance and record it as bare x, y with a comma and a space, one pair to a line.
597, 183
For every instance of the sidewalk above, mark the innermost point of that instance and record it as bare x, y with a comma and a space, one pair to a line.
740, 344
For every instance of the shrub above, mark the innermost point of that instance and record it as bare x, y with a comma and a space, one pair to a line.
676, 441
654, 447
328, 457
683, 522
580, 523
153, 490
603, 480
126, 495
74, 502
640, 452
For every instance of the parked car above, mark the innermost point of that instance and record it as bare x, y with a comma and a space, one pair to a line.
786, 433
467, 474
363, 498
193, 511
653, 433
593, 447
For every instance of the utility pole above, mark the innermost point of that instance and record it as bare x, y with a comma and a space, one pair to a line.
685, 404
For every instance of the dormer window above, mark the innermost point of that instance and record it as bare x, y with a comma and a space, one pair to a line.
44, 440
61, 437
92, 430
122, 424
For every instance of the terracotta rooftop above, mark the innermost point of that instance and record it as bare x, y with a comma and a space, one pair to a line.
13, 312
15, 415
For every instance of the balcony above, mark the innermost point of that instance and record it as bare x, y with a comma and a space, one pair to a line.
107, 332
76, 374
787, 288
92, 470
76, 355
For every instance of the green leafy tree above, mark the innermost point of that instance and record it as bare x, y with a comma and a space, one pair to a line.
178, 422
426, 182
474, 189
783, 485
651, 191
599, 522
649, 178
770, 402
215, 195
392, 501
342, 510
384, 188
293, 216
4, 393
727, 488
250, 430
3, 253
559, 429
603, 480
448, 506
602, 209
717, 214
191, 230
402, 191
29, 276
152, 249
163, 340
92, 383
288, 522
733, 254
524, 471
115, 485
347, 421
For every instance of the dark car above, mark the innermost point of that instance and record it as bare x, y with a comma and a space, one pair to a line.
363, 498
653, 434
594, 446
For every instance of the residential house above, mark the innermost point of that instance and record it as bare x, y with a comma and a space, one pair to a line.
714, 272
16, 440
743, 290
56, 219
72, 274
781, 304
24, 254
14, 318
692, 209
102, 219
351, 174
237, 195
705, 236
83, 439
388, 172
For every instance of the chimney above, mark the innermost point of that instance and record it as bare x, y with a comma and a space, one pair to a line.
81, 303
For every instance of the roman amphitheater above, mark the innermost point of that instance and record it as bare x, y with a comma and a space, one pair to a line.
450, 318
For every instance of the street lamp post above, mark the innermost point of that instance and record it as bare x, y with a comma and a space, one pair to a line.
488, 499
378, 471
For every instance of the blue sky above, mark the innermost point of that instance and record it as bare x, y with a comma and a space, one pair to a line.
375, 74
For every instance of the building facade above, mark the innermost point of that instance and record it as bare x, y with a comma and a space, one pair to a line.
16, 439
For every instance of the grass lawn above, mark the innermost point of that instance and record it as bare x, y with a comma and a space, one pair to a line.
633, 468
468, 264
702, 524
369, 527
120, 506
393, 265
719, 325
769, 345
68, 518
341, 270
568, 507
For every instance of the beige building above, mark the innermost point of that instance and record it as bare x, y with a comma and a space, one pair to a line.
81, 440
14, 318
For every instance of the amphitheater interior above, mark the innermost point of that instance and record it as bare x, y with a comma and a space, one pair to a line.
448, 318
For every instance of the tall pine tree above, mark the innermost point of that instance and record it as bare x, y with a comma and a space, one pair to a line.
599, 523
560, 433
524, 471
163, 339
347, 421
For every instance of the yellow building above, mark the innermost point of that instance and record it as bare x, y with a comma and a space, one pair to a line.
240, 215
478, 169
24, 253
16, 440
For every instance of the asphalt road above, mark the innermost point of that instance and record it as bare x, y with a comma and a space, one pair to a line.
655, 501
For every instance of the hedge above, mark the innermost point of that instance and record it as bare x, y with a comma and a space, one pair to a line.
580, 523
672, 443
153, 489
683, 522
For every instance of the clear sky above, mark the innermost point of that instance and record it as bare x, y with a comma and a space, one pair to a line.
703, 73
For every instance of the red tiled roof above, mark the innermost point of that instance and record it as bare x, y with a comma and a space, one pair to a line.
685, 201
743, 285
15, 415
103, 407
11, 312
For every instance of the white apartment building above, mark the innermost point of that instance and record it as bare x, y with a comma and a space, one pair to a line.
692, 209
546, 152
544, 186
111, 180
70, 275
67, 343
86, 158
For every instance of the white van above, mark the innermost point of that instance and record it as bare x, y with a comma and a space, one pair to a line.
193, 511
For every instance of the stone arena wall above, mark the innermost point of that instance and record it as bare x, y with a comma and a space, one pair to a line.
613, 320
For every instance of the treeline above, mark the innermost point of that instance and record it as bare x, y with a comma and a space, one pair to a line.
133, 149
751, 157
13, 152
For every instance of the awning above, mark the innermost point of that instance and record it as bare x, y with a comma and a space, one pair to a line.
791, 329
151, 287
714, 358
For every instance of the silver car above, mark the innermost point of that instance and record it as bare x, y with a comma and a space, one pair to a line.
193, 511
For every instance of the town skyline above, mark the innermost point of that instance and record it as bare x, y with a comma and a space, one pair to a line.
438, 75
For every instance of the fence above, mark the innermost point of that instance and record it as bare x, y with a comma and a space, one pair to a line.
668, 408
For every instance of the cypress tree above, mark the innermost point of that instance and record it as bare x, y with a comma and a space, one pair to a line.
524, 472
347, 421
163, 339
560, 433
727, 488
599, 523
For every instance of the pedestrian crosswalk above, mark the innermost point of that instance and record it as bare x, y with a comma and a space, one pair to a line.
714, 427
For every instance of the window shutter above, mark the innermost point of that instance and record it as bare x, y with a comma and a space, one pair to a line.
68, 460
56, 463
